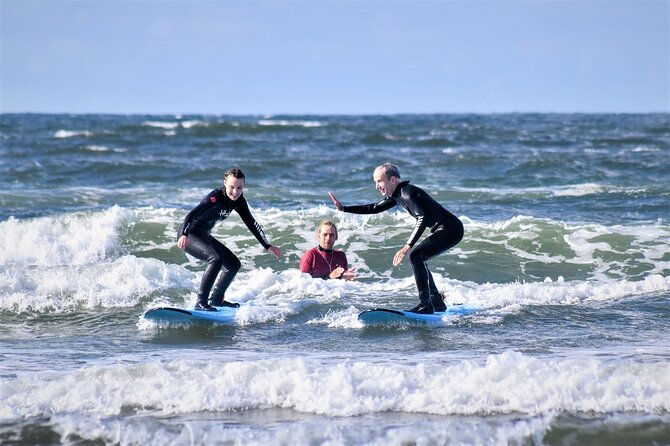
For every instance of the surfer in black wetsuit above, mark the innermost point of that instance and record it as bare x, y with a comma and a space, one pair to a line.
196, 239
446, 230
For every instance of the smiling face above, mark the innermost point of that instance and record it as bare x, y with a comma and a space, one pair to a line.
234, 187
327, 235
385, 186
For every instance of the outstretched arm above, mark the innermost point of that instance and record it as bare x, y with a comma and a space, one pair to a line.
337, 203
375, 208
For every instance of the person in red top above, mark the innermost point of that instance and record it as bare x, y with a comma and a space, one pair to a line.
323, 261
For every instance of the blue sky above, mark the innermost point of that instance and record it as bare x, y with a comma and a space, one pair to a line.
341, 57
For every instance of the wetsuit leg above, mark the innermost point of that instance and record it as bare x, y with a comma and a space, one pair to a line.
435, 296
212, 251
438, 242
231, 265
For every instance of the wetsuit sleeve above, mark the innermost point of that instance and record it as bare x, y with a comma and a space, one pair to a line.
417, 205
252, 224
419, 227
375, 208
201, 209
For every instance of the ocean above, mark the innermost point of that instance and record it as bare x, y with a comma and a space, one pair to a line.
566, 254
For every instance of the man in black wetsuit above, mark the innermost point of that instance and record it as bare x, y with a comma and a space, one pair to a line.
195, 237
446, 230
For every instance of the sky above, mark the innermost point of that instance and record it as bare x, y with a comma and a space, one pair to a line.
334, 57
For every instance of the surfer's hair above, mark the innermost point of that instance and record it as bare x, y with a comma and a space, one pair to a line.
235, 172
326, 223
389, 170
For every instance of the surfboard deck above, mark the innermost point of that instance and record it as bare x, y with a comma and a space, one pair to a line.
387, 316
224, 315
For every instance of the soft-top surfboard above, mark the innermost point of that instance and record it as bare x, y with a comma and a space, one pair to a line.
386, 316
224, 315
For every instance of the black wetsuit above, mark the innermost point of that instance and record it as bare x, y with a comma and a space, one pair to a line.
446, 231
198, 226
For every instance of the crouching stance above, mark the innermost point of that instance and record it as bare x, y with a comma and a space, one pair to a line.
195, 237
446, 230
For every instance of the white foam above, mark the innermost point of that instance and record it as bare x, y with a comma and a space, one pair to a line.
122, 282
600, 252
579, 190
568, 190
96, 148
287, 123
72, 239
651, 242
609, 251
339, 319
72, 133
502, 384
646, 149
193, 123
70, 259
276, 296
513, 296
283, 427
162, 124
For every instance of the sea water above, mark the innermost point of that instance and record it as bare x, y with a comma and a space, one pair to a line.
566, 253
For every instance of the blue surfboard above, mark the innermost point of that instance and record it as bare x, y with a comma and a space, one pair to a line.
224, 315
387, 316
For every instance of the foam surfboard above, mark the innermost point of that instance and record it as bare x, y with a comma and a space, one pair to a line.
387, 316
224, 315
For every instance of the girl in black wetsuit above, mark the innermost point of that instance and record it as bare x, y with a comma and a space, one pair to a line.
196, 239
446, 230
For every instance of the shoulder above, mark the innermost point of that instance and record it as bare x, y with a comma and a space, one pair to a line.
402, 188
307, 261
309, 253
214, 195
239, 204
339, 253
213, 198
409, 190
405, 186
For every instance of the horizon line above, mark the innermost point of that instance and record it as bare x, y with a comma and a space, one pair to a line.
266, 114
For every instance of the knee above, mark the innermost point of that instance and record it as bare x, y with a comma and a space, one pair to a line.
415, 257
233, 265
214, 259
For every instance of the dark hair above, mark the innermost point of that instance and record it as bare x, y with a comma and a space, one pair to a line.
235, 172
390, 170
